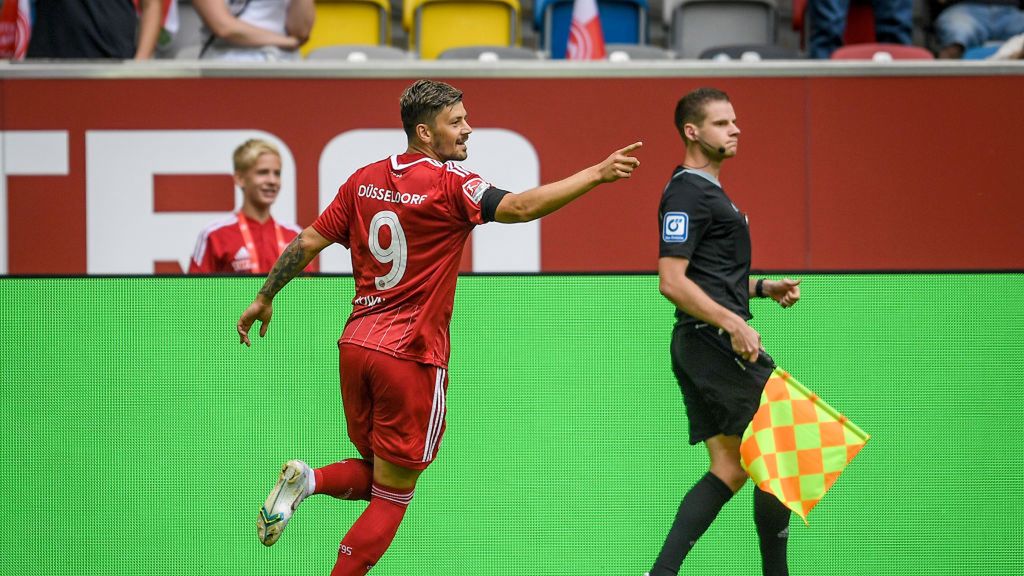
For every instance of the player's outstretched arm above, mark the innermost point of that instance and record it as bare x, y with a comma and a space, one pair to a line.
294, 259
543, 200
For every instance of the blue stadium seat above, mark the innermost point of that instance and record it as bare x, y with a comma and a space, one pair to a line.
622, 22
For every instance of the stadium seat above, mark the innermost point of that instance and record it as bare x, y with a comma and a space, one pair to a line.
860, 22
751, 52
881, 52
696, 25
627, 52
437, 25
190, 52
622, 22
489, 53
349, 22
358, 53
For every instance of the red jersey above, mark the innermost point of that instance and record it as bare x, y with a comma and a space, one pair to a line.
240, 245
405, 220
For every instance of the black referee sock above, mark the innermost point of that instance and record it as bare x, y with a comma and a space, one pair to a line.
772, 520
697, 511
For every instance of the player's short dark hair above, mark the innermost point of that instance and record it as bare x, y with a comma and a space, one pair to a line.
422, 101
691, 109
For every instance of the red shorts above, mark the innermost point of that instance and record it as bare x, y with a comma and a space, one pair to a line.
394, 408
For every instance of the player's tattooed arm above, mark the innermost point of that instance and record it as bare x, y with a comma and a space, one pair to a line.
287, 267
295, 257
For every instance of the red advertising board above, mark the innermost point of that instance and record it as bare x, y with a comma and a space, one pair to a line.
836, 173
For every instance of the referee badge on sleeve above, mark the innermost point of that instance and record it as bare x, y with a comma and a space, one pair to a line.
676, 227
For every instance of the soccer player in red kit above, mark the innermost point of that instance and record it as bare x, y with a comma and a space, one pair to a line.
250, 240
405, 220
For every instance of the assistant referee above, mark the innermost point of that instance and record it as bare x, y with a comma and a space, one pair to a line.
704, 270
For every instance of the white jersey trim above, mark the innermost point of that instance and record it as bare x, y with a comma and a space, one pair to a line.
200, 252
437, 410
456, 168
396, 166
398, 498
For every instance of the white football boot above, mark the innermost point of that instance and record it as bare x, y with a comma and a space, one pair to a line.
295, 483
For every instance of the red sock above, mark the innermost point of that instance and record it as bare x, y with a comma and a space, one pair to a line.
370, 536
348, 480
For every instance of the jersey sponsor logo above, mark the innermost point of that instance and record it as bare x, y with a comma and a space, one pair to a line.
475, 188
377, 193
368, 301
676, 227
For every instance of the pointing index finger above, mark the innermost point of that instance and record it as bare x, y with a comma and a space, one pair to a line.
631, 147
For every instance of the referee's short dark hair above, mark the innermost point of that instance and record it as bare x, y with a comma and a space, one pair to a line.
690, 108
422, 101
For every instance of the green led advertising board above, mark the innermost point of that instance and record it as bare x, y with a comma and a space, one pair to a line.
140, 438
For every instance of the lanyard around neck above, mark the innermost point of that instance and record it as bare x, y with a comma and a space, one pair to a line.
250, 246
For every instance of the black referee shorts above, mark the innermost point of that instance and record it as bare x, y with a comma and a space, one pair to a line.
721, 390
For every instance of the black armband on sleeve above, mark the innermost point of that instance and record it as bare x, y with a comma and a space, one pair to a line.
489, 203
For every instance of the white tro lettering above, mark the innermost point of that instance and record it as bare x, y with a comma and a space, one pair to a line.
395, 253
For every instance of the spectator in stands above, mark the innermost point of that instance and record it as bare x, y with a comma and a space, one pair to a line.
965, 24
254, 30
893, 24
250, 241
75, 29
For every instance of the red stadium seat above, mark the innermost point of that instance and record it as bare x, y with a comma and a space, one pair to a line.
872, 52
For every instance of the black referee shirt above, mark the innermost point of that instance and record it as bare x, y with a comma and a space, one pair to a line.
699, 222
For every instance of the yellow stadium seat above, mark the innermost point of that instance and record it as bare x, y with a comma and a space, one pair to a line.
437, 25
347, 22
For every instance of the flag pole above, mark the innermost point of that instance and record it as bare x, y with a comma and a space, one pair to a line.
822, 404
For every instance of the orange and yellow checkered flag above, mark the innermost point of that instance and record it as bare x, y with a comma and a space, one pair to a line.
797, 445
